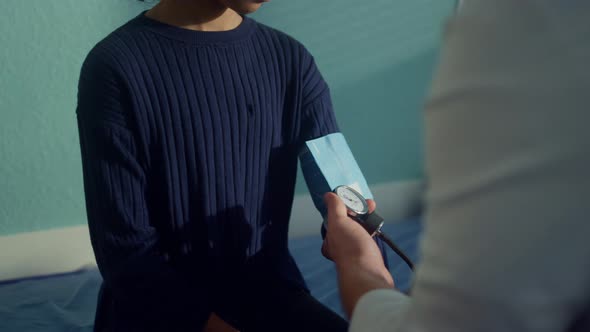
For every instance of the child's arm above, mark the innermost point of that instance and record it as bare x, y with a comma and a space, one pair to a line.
146, 288
320, 135
317, 112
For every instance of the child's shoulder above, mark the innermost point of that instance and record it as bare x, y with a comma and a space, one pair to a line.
115, 49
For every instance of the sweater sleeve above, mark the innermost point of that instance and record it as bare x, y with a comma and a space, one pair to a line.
148, 290
318, 113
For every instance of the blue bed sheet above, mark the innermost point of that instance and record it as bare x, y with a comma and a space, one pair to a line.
67, 302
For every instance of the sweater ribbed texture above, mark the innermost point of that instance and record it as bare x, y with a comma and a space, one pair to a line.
189, 146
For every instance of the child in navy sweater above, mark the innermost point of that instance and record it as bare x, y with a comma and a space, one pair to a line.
191, 117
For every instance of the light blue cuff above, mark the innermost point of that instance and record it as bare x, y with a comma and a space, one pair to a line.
327, 163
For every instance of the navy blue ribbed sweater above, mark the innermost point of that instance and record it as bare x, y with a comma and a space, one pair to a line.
189, 146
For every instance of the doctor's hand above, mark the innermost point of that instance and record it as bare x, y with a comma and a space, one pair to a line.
347, 242
358, 260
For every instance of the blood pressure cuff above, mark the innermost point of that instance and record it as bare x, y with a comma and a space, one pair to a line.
327, 163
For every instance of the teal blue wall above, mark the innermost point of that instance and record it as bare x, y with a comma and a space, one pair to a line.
376, 55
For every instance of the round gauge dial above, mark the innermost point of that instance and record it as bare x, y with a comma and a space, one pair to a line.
353, 200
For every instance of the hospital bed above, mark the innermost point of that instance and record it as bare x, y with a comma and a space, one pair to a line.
67, 301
